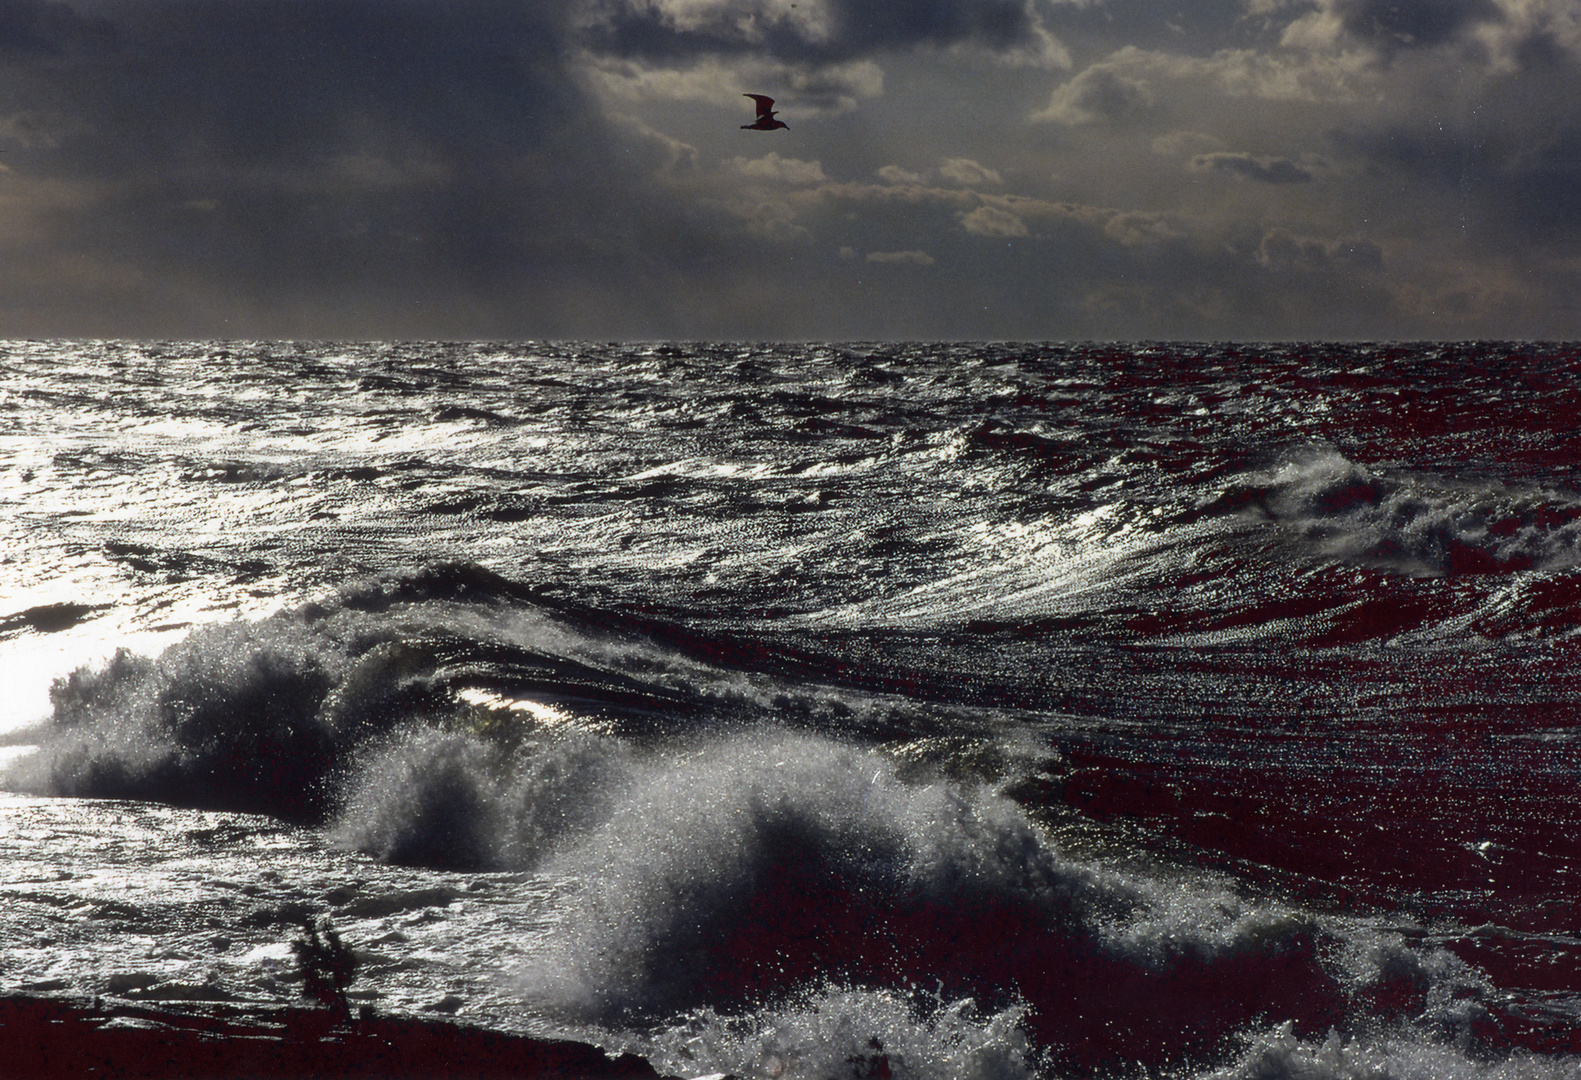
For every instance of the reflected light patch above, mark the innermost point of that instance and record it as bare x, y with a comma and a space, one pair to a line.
548, 715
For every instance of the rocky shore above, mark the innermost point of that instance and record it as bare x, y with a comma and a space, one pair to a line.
45, 1038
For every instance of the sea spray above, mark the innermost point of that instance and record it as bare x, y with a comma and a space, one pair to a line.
1278, 1054
228, 717
278, 714
433, 797
843, 1031
753, 866
1411, 520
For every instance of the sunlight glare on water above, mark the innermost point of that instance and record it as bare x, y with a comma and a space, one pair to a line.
984, 709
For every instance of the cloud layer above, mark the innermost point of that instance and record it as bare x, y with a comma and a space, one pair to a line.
954, 168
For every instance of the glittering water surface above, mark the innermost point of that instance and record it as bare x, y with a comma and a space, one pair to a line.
175, 906
798, 710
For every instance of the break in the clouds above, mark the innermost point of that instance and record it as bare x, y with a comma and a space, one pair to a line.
953, 168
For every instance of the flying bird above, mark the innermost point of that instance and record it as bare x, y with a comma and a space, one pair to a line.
765, 121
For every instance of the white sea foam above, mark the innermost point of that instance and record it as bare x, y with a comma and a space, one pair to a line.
1417, 522
1280, 1055
850, 1032
749, 865
446, 798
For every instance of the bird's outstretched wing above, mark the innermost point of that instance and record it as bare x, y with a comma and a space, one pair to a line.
765, 105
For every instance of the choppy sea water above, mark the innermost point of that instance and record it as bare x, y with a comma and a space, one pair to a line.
951, 710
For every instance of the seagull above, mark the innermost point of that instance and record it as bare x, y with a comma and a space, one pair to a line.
765, 121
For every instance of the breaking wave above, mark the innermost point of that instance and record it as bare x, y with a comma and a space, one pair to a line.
727, 849
741, 870
314, 711
836, 1031
432, 797
1279, 1054
1414, 522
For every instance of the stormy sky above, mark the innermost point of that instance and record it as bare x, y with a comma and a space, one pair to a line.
1006, 169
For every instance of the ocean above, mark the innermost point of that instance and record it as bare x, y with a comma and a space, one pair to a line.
776, 710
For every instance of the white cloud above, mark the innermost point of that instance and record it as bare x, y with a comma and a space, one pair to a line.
802, 90
1136, 227
968, 173
894, 174
770, 220
994, 221
745, 20
1041, 50
669, 156
1283, 251
1127, 83
368, 171
1102, 92
1500, 30
1180, 143
1317, 30
1242, 166
781, 170
1268, 7
1524, 22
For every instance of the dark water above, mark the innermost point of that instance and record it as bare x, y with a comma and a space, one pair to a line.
817, 710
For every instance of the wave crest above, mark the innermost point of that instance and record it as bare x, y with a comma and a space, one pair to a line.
1415, 522
229, 717
274, 715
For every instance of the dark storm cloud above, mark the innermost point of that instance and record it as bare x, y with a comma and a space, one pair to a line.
328, 163
1264, 170
249, 81
1407, 23
46, 28
575, 167
1503, 162
651, 30
321, 152
1504, 190
1547, 184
